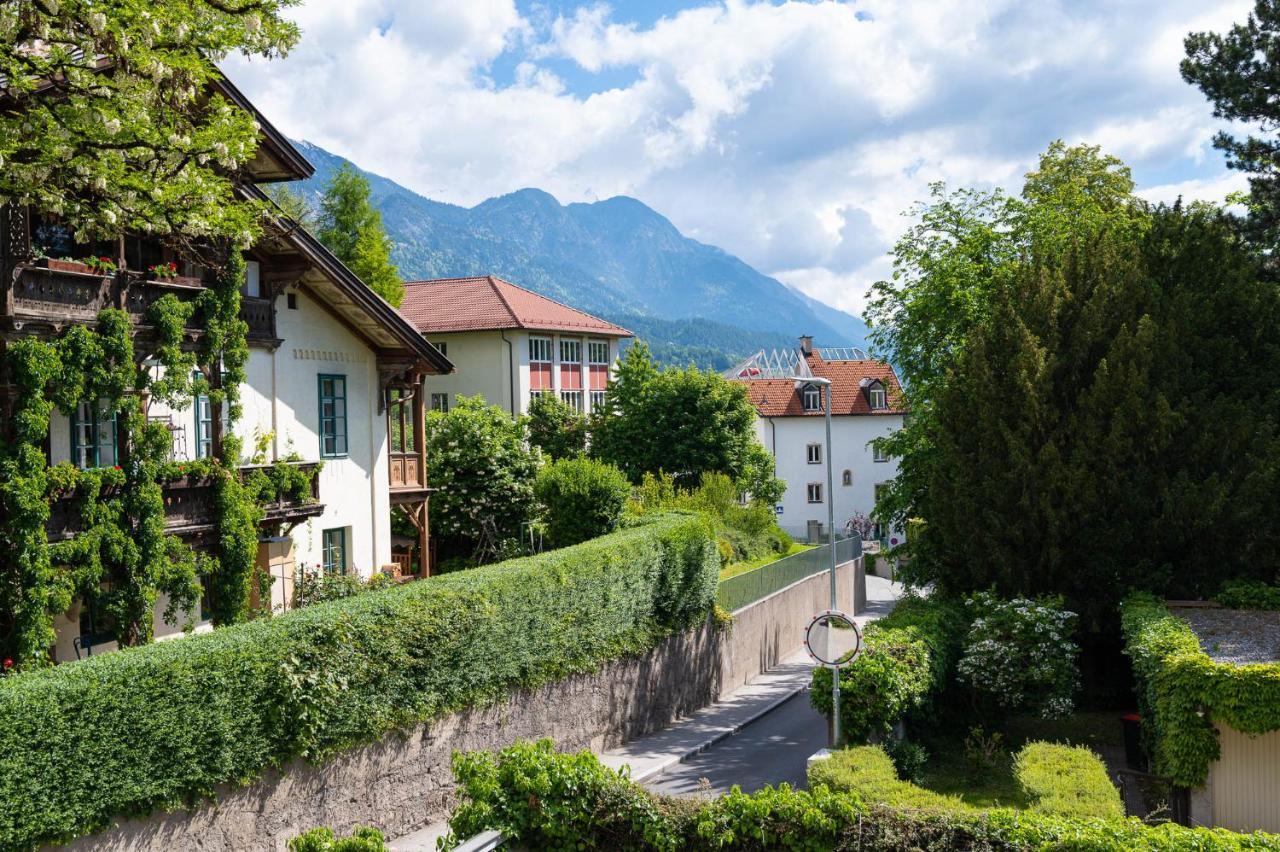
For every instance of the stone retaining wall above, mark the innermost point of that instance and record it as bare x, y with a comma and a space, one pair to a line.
403, 782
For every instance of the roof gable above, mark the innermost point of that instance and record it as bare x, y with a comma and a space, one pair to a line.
850, 380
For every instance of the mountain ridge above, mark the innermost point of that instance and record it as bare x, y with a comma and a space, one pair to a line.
617, 258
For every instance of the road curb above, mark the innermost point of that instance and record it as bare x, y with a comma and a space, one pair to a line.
674, 760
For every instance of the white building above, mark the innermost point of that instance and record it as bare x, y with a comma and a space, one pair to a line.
335, 378
791, 424
511, 343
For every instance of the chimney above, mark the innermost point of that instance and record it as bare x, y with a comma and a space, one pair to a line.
806, 344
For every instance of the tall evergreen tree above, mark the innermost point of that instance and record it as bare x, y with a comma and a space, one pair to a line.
351, 227
1239, 71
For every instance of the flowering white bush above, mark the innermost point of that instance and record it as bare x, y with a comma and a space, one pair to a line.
1019, 655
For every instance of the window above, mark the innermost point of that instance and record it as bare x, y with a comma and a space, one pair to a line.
573, 398
400, 426
814, 453
882, 489
812, 398
815, 492
252, 286
440, 402
598, 367
878, 453
570, 351
539, 350
334, 549
846, 478
876, 397
597, 400
93, 436
442, 346
598, 352
291, 300
539, 365
333, 416
204, 425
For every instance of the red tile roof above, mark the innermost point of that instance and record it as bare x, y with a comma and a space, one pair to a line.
489, 303
781, 397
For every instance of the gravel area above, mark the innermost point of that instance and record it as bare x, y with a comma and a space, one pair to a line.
1236, 636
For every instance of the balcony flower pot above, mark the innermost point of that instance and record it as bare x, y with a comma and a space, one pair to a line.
55, 265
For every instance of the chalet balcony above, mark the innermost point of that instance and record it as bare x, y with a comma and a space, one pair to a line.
70, 293
189, 507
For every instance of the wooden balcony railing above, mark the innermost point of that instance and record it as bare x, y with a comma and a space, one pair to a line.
189, 507
58, 295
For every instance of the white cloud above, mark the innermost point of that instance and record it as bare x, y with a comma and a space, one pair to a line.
793, 134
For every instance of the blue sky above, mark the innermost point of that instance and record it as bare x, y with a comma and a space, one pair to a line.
793, 134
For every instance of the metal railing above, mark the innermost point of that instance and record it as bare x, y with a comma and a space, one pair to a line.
739, 591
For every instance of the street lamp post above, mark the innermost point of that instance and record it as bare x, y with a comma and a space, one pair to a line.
831, 546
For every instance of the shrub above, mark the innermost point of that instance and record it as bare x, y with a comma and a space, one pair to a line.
906, 657
1067, 781
546, 800
908, 758
363, 839
1248, 594
1019, 656
161, 725
1182, 692
582, 499
747, 532
869, 772
555, 427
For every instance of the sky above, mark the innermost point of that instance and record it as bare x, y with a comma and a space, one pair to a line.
795, 135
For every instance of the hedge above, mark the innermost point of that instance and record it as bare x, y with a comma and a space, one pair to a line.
1066, 780
906, 659
1057, 779
1182, 692
162, 725
546, 800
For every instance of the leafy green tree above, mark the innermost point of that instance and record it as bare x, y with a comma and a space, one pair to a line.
351, 227
684, 422
1115, 424
582, 498
1238, 71
484, 470
110, 122
966, 246
555, 427
292, 203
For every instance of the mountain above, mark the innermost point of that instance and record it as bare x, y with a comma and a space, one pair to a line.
616, 258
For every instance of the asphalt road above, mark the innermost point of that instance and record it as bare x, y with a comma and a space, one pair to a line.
771, 750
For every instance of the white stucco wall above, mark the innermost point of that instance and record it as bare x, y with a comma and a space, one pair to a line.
788, 439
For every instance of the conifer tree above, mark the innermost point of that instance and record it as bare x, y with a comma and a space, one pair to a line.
351, 228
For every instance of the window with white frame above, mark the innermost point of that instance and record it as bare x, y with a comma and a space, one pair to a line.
812, 398
878, 453
442, 346
598, 352
597, 400
572, 398
440, 402
815, 492
539, 350
570, 351
813, 453
876, 398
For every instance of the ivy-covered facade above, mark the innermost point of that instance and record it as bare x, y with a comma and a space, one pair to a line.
180, 435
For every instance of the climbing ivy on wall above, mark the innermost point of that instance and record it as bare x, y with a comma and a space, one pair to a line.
123, 559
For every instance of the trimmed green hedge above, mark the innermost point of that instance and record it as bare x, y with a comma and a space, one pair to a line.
1181, 691
159, 726
1066, 780
569, 801
905, 661
868, 772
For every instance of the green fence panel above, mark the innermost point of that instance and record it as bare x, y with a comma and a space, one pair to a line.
737, 592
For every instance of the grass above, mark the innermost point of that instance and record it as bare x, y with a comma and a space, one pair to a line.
752, 564
948, 771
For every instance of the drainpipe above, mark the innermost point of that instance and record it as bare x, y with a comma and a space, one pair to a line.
511, 372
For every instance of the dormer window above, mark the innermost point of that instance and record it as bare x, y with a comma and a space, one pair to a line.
877, 399
812, 398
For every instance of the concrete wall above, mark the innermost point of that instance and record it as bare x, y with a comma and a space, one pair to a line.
788, 439
402, 782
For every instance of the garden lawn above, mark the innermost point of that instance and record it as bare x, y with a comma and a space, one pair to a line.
752, 564
948, 771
